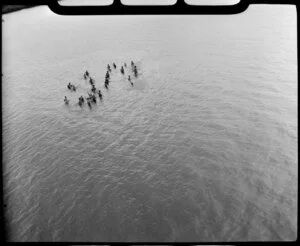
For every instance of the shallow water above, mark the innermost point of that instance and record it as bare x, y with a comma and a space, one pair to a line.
203, 147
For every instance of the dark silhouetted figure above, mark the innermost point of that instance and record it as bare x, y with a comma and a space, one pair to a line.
93, 99
89, 103
91, 81
122, 70
107, 75
135, 71
106, 81
81, 101
66, 100
100, 94
115, 66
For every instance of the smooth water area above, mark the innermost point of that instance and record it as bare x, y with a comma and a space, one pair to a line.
203, 147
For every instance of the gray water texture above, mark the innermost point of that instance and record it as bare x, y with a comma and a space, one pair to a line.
203, 147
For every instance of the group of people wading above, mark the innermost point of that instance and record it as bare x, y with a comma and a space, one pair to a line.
92, 96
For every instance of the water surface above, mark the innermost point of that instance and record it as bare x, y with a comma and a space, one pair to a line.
203, 147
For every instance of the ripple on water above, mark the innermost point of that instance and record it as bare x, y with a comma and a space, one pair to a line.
191, 151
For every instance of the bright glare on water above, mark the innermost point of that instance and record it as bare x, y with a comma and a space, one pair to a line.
203, 147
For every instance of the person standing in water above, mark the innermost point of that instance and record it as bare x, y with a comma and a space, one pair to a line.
122, 70
115, 66
91, 81
129, 79
100, 94
80, 101
93, 98
106, 84
107, 75
89, 103
66, 100
135, 71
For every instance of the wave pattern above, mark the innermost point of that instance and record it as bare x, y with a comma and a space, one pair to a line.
202, 148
